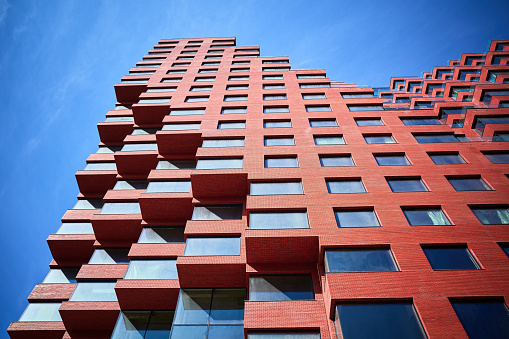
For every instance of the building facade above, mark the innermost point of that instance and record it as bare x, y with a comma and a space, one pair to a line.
235, 197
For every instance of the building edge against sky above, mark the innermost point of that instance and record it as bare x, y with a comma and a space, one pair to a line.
233, 196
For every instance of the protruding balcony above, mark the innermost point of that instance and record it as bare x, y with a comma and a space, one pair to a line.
118, 223
39, 330
178, 142
219, 183
166, 207
130, 88
151, 111
97, 178
136, 159
118, 124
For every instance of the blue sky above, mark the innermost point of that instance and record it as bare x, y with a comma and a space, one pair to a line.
59, 61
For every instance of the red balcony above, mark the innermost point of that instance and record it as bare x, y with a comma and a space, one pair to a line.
117, 229
101, 272
78, 316
178, 142
39, 330
150, 114
212, 271
51, 292
147, 294
166, 207
93, 184
70, 250
114, 132
219, 183
136, 164
129, 92
169, 250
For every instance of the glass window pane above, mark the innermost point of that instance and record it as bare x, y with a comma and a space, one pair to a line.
407, 185
284, 335
323, 123
356, 218
275, 188
279, 141
223, 143
181, 127
131, 325
420, 121
359, 260
345, 186
176, 164
101, 166
121, 208
394, 320
369, 122
469, 184
168, 187
76, 228
325, 108
161, 235
189, 332
61, 276
212, 246
483, 318
152, 269
329, 140
193, 308
498, 158
277, 124
231, 125
94, 291
218, 163
425, 217
450, 258
379, 139
281, 162
283, 109
130, 185
336, 161
278, 220
198, 111
139, 147
41, 312
228, 307
226, 332
492, 215
88, 204
159, 326
435, 138
234, 110
105, 256
447, 159
217, 212
392, 160
281, 287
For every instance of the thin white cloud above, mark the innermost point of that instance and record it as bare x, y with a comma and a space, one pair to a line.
4, 6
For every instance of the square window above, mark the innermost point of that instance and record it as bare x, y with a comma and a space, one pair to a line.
450, 257
385, 320
219, 163
483, 318
237, 142
281, 287
197, 99
273, 86
276, 109
313, 96
277, 123
329, 140
406, 185
235, 98
391, 160
212, 246
468, 184
234, 110
323, 108
492, 215
336, 160
276, 188
379, 139
278, 220
498, 158
369, 122
432, 216
274, 97
281, 162
345, 186
446, 158
359, 260
356, 218
279, 141
323, 123
237, 87
231, 125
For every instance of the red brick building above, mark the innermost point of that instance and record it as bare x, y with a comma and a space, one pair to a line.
235, 197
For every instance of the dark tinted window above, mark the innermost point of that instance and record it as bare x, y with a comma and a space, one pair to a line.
450, 258
391, 320
392, 160
492, 215
356, 218
469, 184
407, 185
360, 260
336, 160
498, 158
483, 318
447, 159
278, 220
143, 324
345, 186
271, 162
425, 216
217, 212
